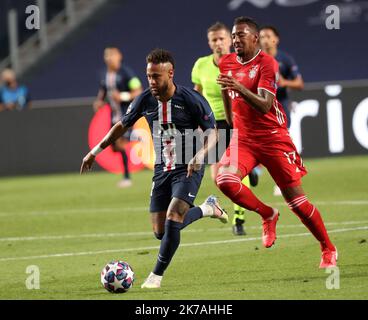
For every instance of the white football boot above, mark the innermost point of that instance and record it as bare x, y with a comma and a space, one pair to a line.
153, 281
211, 208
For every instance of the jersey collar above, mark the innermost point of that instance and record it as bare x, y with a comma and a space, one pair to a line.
246, 62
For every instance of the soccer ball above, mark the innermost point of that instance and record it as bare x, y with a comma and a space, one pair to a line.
117, 277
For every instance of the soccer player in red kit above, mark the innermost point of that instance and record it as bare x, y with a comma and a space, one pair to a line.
249, 81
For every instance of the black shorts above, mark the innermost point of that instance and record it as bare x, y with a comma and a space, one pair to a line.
225, 134
167, 185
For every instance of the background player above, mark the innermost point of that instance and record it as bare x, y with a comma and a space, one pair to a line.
170, 110
290, 77
118, 88
204, 75
248, 79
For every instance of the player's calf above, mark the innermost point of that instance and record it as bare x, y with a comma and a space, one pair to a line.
158, 235
312, 219
231, 185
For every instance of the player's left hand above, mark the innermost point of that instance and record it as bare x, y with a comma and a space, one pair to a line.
229, 83
87, 163
194, 165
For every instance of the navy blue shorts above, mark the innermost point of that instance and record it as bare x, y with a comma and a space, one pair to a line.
167, 185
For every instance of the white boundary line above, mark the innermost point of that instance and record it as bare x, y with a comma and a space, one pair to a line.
73, 211
194, 244
149, 233
146, 209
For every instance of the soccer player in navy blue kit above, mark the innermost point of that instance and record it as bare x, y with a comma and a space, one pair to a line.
173, 113
118, 87
290, 77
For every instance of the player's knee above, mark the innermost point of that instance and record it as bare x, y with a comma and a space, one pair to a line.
159, 235
229, 183
174, 216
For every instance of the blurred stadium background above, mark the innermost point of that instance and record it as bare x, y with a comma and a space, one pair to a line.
61, 64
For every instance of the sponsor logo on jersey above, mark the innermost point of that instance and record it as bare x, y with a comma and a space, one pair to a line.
178, 107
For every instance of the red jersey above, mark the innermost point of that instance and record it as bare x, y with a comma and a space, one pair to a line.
261, 72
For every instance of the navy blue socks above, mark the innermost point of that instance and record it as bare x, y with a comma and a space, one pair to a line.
169, 244
192, 215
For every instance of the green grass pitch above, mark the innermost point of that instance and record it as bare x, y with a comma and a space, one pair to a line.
70, 226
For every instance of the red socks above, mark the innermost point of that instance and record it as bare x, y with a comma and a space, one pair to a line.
312, 219
231, 185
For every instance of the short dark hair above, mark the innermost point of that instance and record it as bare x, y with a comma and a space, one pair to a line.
248, 21
217, 27
157, 56
272, 28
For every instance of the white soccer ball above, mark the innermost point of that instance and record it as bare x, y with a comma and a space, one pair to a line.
117, 276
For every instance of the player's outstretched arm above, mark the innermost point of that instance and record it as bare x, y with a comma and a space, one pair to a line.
198, 160
115, 132
296, 84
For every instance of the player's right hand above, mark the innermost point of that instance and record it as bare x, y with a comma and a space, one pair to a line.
194, 165
87, 163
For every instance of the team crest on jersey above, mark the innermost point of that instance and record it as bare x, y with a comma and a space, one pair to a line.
253, 71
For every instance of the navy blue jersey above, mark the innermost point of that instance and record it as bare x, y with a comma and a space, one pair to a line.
289, 70
124, 80
174, 125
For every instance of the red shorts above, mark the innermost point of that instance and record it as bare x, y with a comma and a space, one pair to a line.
275, 151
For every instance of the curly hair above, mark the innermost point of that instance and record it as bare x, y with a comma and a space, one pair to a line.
158, 56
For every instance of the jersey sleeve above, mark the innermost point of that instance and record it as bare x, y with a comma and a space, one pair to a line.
134, 112
202, 112
269, 73
103, 88
195, 73
293, 68
132, 80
